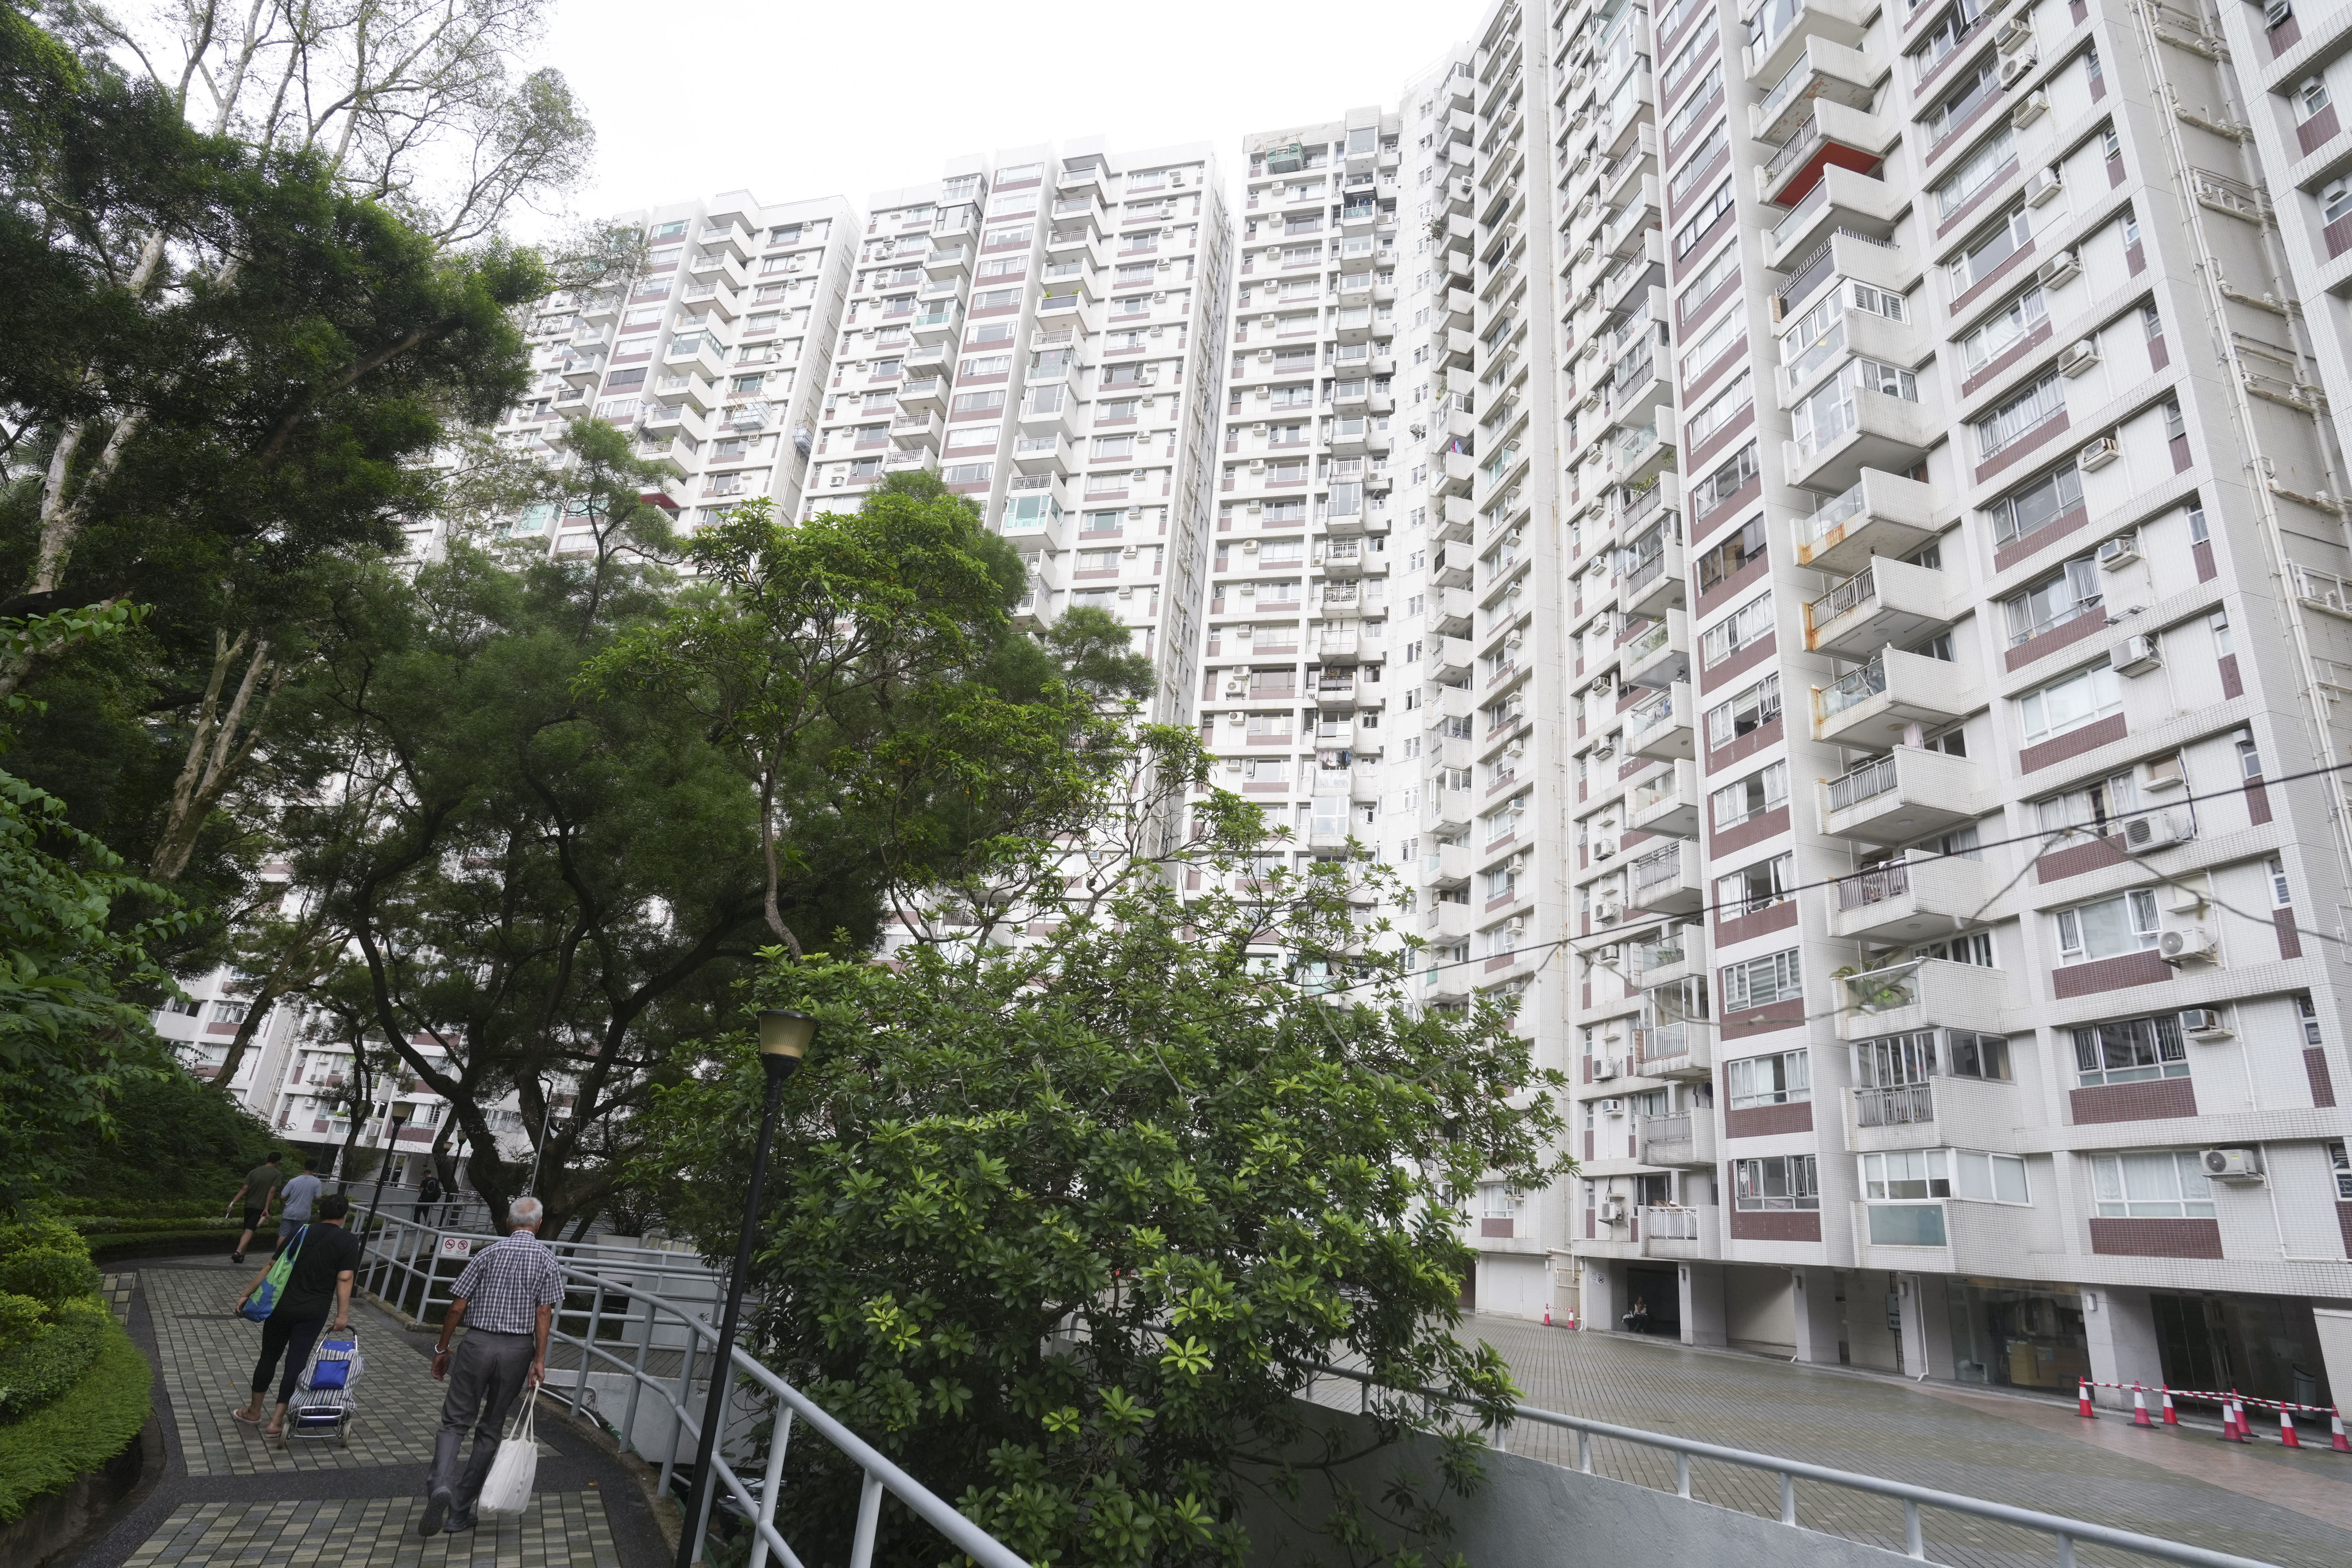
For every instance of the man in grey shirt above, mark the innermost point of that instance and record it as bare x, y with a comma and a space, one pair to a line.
297, 1196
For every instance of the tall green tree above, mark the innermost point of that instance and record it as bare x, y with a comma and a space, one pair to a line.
1065, 1228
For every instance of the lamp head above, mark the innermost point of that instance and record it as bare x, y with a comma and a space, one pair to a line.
784, 1037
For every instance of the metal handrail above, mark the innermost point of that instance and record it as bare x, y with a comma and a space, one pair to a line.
648, 1308
2066, 1531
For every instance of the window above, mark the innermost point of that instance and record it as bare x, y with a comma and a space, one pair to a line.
1697, 163
1725, 481
230, 1011
1742, 629
2004, 328
2167, 1184
1497, 1201
1702, 98
1756, 889
2281, 895
1945, 36
2109, 928
2340, 1166
1983, 166
1926, 1175
1711, 346
2072, 591
2097, 808
1971, 1055
1894, 1061
2250, 758
2310, 97
986, 364
1749, 712
2131, 1051
1750, 797
1976, 263
2044, 400
1782, 1182
1722, 562
1760, 982
1718, 272
1965, 97
1785, 1079
978, 402
1720, 410
2071, 703
1718, 202
1825, 418
2336, 201
2035, 505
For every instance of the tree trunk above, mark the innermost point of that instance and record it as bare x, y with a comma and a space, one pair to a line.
264, 999
217, 746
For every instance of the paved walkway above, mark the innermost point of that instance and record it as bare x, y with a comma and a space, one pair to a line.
228, 1500
2262, 1501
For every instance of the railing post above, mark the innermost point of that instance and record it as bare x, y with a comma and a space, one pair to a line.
677, 1414
1787, 1498
1913, 1544
1584, 1451
1681, 1474
869, 1522
770, 1481
637, 1382
2065, 1550
718, 1454
595, 1321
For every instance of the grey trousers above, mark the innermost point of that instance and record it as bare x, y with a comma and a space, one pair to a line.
486, 1374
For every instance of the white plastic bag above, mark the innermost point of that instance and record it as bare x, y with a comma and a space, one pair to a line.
508, 1489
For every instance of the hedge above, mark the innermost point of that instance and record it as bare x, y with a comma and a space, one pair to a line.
34, 1374
80, 1429
116, 1246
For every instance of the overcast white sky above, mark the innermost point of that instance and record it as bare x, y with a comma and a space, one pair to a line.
793, 100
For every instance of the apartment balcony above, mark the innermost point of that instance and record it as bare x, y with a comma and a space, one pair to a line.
1622, 236
1076, 240
1909, 900
1450, 659
938, 323
947, 261
1666, 803
718, 267
1845, 254
1661, 728
926, 394
1685, 1050
1784, 26
1854, 333
582, 369
911, 459
715, 298
1046, 452
1833, 136
602, 306
1671, 1230
1679, 1137
1893, 690
1045, 409
1841, 199
1861, 428
1661, 655
1679, 953
1669, 879
1081, 211
1340, 692
1446, 920
1452, 566
1880, 514
1451, 612
1048, 484
1903, 796
930, 359
1656, 583
1638, 384
1923, 994
1447, 866
1821, 70
1888, 601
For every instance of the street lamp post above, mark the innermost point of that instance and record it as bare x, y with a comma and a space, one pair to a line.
784, 1038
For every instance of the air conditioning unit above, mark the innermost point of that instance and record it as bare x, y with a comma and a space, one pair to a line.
1249, 546
2189, 945
2162, 773
1519, 924
2032, 107
2015, 34
2231, 1164
2138, 654
2045, 184
1612, 1207
2015, 68
2059, 269
2205, 1023
1609, 914
2159, 830
1604, 849
1604, 752
1611, 1108
2119, 551
2078, 358
2098, 453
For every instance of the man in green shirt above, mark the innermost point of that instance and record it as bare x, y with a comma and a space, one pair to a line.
260, 1187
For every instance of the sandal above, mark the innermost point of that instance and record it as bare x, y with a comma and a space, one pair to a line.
249, 1420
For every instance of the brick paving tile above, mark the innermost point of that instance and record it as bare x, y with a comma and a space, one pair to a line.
564, 1530
2254, 1502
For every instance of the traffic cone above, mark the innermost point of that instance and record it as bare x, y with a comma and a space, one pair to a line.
2171, 1417
2336, 1438
1547, 1314
2082, 1400
2287, 1439
2233, 1421
2139, 1408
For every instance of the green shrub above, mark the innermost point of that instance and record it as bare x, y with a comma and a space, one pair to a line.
32, 1374
41, 1233
21, 1318
50, 1277
99, 1228
80, 1430
176, 1140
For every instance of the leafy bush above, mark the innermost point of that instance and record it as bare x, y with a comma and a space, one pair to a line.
21, 1318
32, 1374
41, 1233
176, 1142
81, 1429
100, 1228
50, 1277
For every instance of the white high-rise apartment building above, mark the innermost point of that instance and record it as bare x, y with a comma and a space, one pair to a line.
1043, 329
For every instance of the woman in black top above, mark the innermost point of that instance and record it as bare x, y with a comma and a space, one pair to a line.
326, 1257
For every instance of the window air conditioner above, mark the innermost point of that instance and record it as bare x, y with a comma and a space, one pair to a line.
1519, 924
2204, 1022
2233, 1165
1607, 914
1249, 546
2060, 267
2188, 944
2119, 551
1612, 1207
2045, 184
2159, 830
1611, 1108
2098, 453
1258, 428
1603, 1069
1604, 849
2162, 773
2034, 107
1127, 553
2138, 654
2015, 68
2015, 34
2079, 357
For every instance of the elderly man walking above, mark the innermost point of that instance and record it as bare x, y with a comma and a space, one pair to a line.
506, 1298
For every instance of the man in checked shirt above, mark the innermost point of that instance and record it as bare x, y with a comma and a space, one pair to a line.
507, 1298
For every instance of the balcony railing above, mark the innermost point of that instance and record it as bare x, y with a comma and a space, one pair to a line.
1649, 642
1650, 716
1668, 1222
1800, 143
1875, 886
1885, 990
1901, 1106
1855, 591
1858, 687
1874, 777
1658, 866
1834, 514
1660, 1041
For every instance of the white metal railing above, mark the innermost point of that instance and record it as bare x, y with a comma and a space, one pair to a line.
419, 1263
1669, 1222
2064, 1532
1875, 886
1904, 1105
1874, 777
